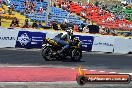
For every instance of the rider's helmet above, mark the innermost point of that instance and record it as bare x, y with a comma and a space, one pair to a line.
69, 30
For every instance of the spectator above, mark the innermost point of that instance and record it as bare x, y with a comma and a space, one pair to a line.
86, 29
0, 3
63, 25
27, 11
102, 30
3, 11
69, 24
26, 24
112, 32
83, 13
45, 27
10, 11
40, 25
79, 2
48, 24
107, 30
0, 20
54, 4
14, 23
96, 3
12, 7
63, 6
76, 28
70, 14
17, 22
29, 6
41, 10
81, 26
70, 1
54, 25
34, 25
66, 21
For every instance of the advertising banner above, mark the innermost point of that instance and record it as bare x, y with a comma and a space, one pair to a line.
8, 38
130, 45
103, 43
122, 45
86, 42
28, 39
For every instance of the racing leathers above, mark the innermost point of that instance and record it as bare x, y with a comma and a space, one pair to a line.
65, 41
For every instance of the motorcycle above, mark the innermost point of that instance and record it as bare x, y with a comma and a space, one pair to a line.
50, 47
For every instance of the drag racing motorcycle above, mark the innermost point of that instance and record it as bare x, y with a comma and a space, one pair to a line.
50, 47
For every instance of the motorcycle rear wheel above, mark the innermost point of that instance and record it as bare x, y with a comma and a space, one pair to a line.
76, 55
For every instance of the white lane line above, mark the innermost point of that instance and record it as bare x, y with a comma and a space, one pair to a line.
33, 66
112, 72
92, 70
72, 68
37, 83
30, 49
84, 69
126, 73
23, 49
101, 71
129, 55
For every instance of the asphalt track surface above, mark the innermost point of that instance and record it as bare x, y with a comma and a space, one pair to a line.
92, 61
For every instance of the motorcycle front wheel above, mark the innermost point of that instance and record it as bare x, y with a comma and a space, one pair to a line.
47, 54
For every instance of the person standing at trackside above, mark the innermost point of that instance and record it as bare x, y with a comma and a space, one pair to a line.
63, 26
26, 24
48, 24
14, 23
54, 25
86, 29
0, 20
34, 25
80, 28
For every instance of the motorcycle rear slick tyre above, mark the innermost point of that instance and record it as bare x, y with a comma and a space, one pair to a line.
74, 57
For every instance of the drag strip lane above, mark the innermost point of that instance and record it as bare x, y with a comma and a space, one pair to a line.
121, 63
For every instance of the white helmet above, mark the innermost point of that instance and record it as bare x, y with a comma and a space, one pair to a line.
69, 30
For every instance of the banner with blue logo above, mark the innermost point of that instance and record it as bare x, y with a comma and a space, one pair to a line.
28, 39
86, 42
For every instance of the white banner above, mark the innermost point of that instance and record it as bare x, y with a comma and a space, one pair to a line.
130, 45
8, 38
103, 43
122, 45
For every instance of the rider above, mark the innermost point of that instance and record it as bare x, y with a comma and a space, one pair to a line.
65, 40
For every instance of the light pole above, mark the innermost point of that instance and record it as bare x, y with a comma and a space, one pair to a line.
48, 11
